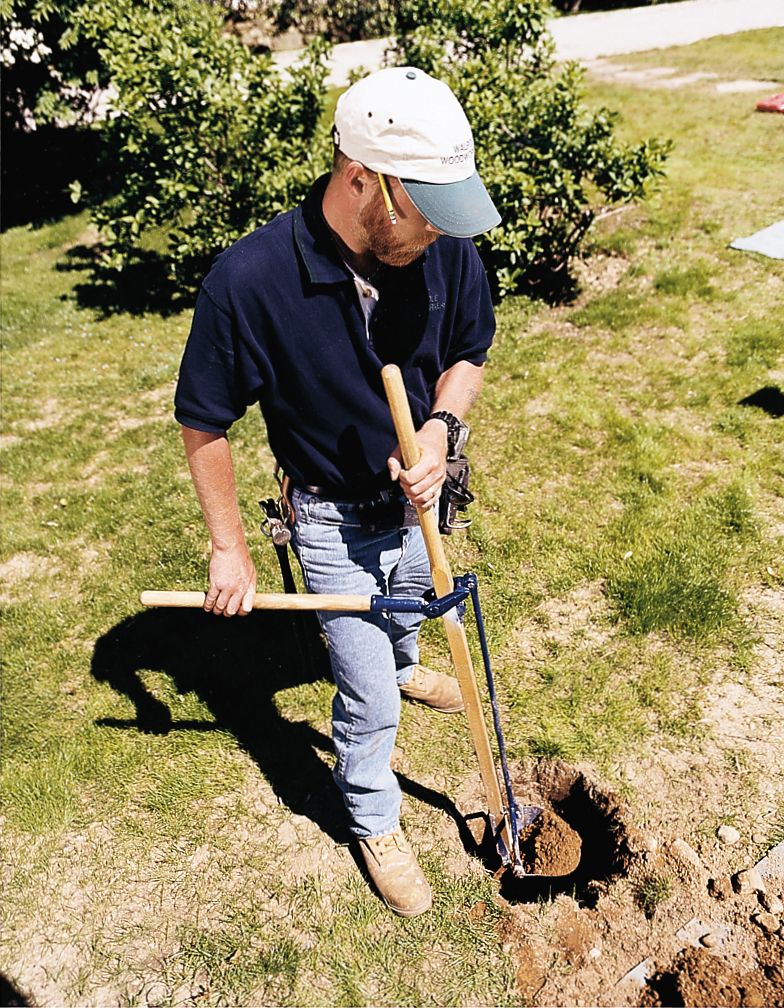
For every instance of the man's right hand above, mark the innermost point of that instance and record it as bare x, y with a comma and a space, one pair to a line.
232, 582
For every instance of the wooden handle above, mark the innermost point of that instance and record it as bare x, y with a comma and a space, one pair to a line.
401, 414
195, 600
443, 583
409, 447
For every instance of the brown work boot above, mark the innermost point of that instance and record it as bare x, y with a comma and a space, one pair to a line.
441, 692
393, 867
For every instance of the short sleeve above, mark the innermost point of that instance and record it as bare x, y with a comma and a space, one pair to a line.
217, 380
474, 326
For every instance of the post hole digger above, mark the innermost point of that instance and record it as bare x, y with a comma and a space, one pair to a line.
509, 820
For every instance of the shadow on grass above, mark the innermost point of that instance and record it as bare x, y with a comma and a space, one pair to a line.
10, 997
770, 399
143, 287
236, 666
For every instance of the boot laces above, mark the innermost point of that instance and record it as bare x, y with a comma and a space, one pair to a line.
387, 845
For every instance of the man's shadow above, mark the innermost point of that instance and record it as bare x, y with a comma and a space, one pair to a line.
236, 666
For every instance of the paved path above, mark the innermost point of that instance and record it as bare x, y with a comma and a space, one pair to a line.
588, 36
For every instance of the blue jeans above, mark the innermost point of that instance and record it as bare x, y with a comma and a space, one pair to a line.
371, 654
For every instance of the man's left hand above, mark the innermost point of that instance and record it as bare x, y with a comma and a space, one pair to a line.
422, 482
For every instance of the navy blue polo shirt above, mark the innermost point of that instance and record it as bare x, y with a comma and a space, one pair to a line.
278, 322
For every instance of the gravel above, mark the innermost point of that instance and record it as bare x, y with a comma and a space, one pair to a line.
748, 881
767, 921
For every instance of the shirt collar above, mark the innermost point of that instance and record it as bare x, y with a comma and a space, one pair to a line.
314, 240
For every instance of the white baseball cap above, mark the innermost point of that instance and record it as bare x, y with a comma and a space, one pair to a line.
402, 122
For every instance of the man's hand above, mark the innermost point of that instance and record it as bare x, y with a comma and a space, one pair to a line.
232, 582
422, 482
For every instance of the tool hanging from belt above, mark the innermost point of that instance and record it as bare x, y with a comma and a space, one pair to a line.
455, 495
276, 525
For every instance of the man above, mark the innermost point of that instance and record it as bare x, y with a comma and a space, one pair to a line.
374, 267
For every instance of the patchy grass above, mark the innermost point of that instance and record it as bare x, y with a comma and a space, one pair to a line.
751, 54
169, 818
652, 891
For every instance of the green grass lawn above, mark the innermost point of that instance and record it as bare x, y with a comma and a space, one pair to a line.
751, 54
166, 781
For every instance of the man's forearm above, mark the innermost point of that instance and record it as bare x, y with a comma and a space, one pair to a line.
458, 388
232, 574
212, 471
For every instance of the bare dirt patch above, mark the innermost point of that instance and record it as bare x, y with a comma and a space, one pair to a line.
668, 79
51, 414
600, 273
19, 570
644, 915
695, 977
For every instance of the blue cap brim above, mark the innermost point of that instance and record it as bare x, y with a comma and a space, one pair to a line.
460, 209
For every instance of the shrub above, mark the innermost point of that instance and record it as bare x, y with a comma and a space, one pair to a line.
337, 20
549, 163
209, 140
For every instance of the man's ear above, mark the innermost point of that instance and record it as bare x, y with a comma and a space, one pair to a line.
355, 178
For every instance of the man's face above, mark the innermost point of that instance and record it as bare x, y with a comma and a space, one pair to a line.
395, 244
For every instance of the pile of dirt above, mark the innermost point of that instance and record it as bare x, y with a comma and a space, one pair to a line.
549, 846
575, 806
695, 978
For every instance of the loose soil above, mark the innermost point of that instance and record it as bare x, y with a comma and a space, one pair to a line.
549, 846
576, 808
696, 978
575, 939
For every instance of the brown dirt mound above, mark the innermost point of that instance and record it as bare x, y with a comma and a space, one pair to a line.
549, 846
576, 806
697, 979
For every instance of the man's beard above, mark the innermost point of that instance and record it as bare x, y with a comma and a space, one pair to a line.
380, 237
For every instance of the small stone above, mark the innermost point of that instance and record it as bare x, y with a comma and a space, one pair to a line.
710, 940
728, 835
157, 993
772, 904
758, 838
748, 881
720, 888
594, 953
478, 910
686, 853
767, 921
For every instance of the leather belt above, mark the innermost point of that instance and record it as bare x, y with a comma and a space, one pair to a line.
330, 493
